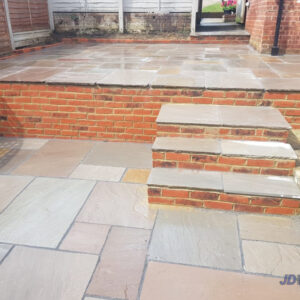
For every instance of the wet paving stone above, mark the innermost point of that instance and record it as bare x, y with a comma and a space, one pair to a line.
157, 65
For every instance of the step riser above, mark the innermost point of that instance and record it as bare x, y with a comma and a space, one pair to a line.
223, 201
211, 162
233, 133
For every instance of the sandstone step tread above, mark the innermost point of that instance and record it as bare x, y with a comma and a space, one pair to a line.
222, 115
225, 147
233, 183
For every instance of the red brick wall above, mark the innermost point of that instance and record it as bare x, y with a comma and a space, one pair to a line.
4, 35
116, 114
218, 162
28, 15
261, 23
222, 200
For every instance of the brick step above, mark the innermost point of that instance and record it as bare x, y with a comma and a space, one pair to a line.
270, 158
221, 121
226, 191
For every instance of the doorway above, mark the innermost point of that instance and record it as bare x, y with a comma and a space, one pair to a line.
226, 16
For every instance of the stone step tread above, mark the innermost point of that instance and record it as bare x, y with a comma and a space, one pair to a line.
222, 116
233, 183
255, 149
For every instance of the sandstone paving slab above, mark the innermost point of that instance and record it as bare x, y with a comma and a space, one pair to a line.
270, 228
177, 282
196, 237
136, 176
271, 258
98, 173
185, 178
55, 159
12, 159
43, 212
222, 115
258, 149
84, 237
4, 249
261, 185
119, 272
180, 144
10, 187
127, 155
189, 114
217, 80
121, 204
82, 77
281, 84
252, 116
33, 74
179, 80
129, 77
35, 274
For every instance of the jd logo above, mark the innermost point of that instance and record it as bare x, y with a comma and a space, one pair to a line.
290, 279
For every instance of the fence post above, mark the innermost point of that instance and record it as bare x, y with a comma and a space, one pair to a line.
194, 16
51, 17
121, 16
11, 35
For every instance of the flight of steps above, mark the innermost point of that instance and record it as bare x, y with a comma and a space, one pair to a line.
224, 157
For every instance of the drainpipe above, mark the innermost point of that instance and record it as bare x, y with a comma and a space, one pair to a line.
275, 48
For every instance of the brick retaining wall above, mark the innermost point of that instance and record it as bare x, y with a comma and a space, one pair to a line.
112, 113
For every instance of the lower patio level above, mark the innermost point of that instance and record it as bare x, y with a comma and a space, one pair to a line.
75, 224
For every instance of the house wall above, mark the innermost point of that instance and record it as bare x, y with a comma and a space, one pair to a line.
261, 23
98, 17
5, 46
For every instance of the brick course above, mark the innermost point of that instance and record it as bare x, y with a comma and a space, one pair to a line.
233, 133
112, 113
223, 201
216, 162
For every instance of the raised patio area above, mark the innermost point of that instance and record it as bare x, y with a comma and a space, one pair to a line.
158, 65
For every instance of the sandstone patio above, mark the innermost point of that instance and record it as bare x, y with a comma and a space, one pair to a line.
75, 224
75, 220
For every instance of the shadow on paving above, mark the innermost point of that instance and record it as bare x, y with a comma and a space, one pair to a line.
9, 127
